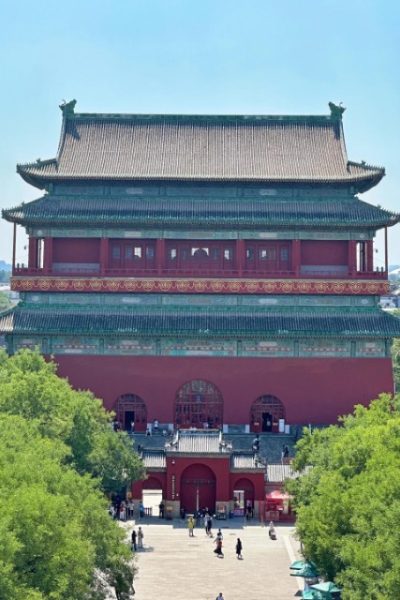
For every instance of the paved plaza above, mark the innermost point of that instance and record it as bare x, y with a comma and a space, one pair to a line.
174, 566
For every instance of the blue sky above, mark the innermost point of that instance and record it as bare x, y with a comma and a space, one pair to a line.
200, 56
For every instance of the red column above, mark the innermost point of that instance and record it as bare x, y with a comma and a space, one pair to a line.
48, 254
370, 256
104, 245
160, 255
240, 256
14, 247
32, 253
296, 257
386, 251
352, 257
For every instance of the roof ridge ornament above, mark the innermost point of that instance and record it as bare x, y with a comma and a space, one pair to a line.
67, 108
337, 110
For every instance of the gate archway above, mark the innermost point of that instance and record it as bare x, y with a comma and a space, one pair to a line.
199, 404
198, 488
265, 413
131, 408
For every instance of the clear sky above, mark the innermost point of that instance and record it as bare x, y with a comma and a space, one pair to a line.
199, 56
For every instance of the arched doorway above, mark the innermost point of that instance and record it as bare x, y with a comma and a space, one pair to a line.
131, 408
265, 413
152, 495
198, 489
243, 497
199, 404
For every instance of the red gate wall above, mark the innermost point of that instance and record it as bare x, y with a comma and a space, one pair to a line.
312, 390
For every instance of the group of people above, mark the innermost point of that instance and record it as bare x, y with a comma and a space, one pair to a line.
218, 546
137, 539
121, 510
218, 538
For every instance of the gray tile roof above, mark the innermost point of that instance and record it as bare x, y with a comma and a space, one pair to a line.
208, 323
154, 460
280, 472
210, 148
198, 443
6, 322
246, 462
186, 211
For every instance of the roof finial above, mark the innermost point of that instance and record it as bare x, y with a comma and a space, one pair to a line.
337, 110
67, 108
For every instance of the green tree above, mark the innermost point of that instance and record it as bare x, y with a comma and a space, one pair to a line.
54, 525
58, 455
30, 387
348, 503
396, 363
4, 301
396, 358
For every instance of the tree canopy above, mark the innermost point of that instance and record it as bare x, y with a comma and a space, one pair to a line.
4, 300
348, 503
58, 454
396, 358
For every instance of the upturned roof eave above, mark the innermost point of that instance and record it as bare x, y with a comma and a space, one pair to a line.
76, 222
39, 180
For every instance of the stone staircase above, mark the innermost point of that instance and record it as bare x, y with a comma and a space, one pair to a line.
270, 444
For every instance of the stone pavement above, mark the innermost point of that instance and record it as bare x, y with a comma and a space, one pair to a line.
174, 566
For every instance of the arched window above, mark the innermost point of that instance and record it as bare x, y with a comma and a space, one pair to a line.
265, 413
131, 409
198, 404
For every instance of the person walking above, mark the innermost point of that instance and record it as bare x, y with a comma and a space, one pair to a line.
219, 597
141, 510
134, 542
218, 545
272, 531
191, 526
205, 521
140, 536
209, 526
239, 547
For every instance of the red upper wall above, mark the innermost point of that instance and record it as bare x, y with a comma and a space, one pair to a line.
76, 250
313, 390
324, 252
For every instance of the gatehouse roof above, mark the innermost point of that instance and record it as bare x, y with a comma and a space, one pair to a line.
226, 148
197, 442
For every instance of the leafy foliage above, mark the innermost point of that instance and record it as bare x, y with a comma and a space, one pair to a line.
29, 387
4, 301
396, 359
348, 504
58, 454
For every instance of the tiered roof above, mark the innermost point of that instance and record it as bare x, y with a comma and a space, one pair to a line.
247, 322
145, 212
275, 149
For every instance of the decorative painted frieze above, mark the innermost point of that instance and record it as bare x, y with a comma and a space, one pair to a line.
206, 300
324, 348
198, 347
200, 286
373, 348
269, 348
206, 234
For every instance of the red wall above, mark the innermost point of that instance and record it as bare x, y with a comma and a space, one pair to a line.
324, 253
76, 250
313, 390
